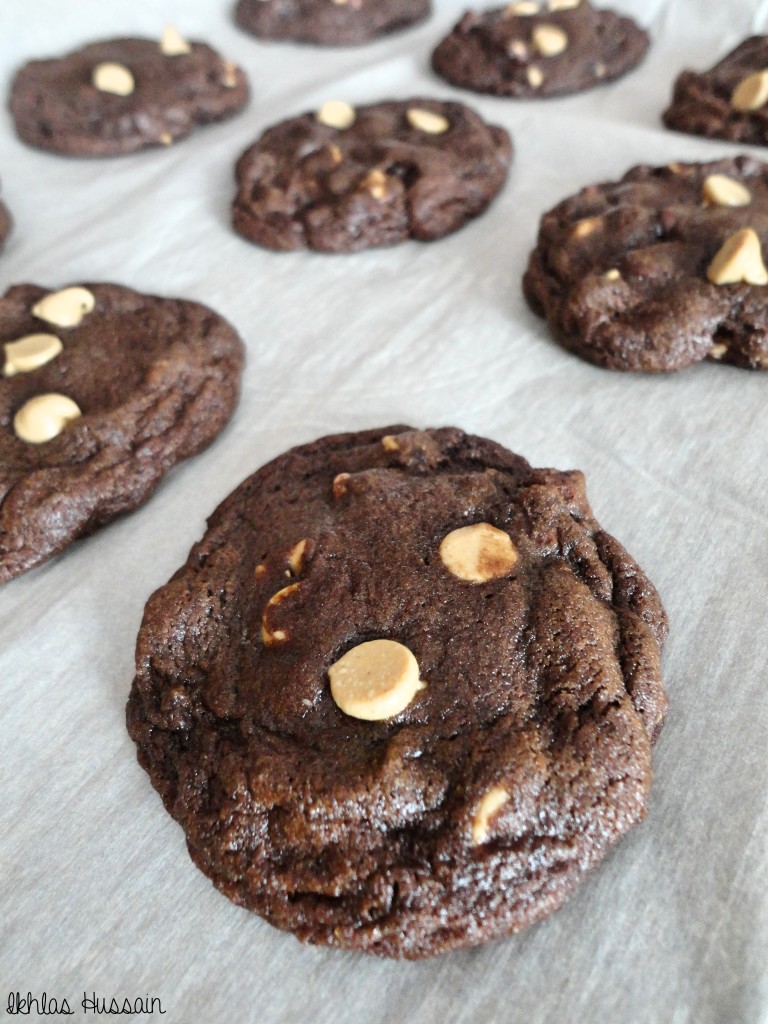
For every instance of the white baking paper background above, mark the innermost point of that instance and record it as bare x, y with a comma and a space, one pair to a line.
98, 892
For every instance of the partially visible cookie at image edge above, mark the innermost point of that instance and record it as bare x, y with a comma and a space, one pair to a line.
660, 270
102, 391
529, 49
730, 101
403, 694
341, 178
123, 95
328, 22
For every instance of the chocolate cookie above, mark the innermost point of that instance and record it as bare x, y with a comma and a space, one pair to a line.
403, 694
341, 179
727, 102
329, 22
530, 49
125, 94
659, 270
103, 391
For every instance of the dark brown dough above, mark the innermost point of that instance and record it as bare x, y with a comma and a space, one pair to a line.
495, 52
545, 682
156, 381
633, 293
701, 101
328, 22
381, 181
56, 106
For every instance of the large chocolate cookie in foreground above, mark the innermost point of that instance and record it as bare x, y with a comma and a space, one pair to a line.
529, 49
730, 101
403, 694
344, 179
102, 391
659, 270
122, 95
328, 22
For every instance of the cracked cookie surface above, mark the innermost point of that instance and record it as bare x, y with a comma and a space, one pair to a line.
625, 272
529, 49
329, 22
145, 382
344, 179
67, 105
523, 645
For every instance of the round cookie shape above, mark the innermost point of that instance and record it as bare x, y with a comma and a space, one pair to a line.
123, 95
328, 22
342, 179
660, 270
519, 749
529, 49
95, 413
730, 101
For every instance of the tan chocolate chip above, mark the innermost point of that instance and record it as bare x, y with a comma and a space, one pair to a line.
478, 553
29, 352
720, 190
65, 308
172, 44
296, 556
269, 635
535, 76
375, 680
336, 114
113, 78
390, 443
229, 75
427, 121
587, 226
491, 803
751, 93
740, 258
522, 9
340, 485
44, 417
612, 275
563, 5
549, 40
377, 183
517, 48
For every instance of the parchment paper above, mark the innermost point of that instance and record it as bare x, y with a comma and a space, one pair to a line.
98, 892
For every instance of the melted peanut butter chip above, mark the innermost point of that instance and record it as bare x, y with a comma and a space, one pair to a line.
390, 443
549, 40
172, 44
740, 259
491, 803
587, 226
478, 553
269, 635
375, 680
29, 352
113, 78
376, 183
336, 114
44, 417
296, 556
65, 308
751, 93
535, 76
720, 190
614, 274
427, 121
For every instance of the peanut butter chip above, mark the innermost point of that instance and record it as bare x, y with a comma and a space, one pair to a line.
29, 352
114, 78
296, 556
336, 114
493, 800
44, 417
549, 40
172, 44
427, 121
535, 76
340, 485
390, 443
376, 183
517, 48
229, 75
739, 259
65, 308
563, 5
584, 228
268, 634
720, 190
522, 9
375, 680
478, 553
612, 275
751, 93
